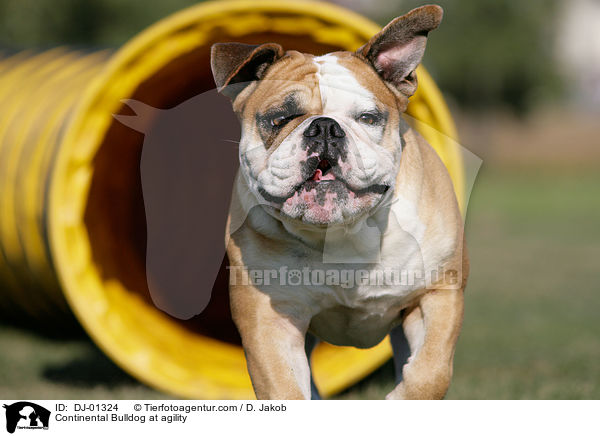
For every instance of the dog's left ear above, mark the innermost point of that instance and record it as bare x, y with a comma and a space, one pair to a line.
396, 51
235, 65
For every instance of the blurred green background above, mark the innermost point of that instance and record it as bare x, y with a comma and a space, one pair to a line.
523, 82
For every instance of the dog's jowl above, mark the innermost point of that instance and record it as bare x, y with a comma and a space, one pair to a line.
344, 224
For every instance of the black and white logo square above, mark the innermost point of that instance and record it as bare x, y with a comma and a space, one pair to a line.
26, 415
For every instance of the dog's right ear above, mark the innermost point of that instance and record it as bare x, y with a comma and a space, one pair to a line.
235, 65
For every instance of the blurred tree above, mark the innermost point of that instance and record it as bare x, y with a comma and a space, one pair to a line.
105, 23
493, 53
487, 53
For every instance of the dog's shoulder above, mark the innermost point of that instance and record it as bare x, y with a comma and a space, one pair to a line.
424, 179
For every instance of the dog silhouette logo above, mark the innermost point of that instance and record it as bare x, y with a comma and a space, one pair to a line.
26, 415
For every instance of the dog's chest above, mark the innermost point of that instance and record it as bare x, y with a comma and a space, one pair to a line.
353, 303
353, 296
361, 303
361, 316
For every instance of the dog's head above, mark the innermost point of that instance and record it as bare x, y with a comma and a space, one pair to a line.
321, 136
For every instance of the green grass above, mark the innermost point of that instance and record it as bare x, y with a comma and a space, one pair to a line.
38, 367
532, 328
532, 324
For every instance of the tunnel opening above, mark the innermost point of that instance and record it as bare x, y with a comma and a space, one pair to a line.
115, 215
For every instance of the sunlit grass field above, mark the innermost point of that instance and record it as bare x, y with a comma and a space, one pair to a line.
532, 322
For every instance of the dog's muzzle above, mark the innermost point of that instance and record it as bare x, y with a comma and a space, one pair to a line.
325, 144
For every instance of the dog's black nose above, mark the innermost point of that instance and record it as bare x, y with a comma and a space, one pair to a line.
325, 127
325, 137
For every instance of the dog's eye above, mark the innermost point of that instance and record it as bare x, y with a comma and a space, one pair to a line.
368, 118
279, 121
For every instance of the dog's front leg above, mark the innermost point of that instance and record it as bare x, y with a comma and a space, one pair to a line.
273, 342
432, 328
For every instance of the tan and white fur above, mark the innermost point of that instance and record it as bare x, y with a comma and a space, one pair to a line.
328, 166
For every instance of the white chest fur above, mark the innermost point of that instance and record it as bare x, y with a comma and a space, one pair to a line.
350, 302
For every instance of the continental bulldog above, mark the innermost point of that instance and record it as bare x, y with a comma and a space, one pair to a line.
344, 225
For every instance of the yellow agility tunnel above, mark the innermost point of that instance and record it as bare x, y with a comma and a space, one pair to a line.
71, 212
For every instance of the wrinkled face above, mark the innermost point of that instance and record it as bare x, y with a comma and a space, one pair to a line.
320, 138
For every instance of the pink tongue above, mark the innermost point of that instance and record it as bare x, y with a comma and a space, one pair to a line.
318, 175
